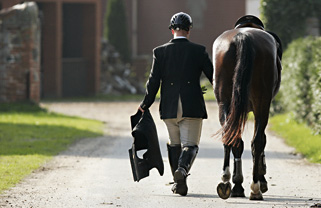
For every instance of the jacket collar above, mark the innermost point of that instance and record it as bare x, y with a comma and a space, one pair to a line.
179, 40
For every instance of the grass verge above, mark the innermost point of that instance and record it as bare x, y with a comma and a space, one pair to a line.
99, 98
30, 136
297, 135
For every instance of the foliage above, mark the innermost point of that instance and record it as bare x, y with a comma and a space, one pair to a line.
301, 81
209, 95
276, 105
116, 28
29, 136
287, 17
297, 135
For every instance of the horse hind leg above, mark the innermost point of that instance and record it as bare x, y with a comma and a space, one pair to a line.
259, 184
238, 190
224, 188
262, 172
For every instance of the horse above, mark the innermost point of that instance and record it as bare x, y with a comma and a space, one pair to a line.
247, 76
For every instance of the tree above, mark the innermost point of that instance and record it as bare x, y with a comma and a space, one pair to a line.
287, 18
116, 28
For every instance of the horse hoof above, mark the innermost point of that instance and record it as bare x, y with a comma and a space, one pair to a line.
224, 190
238, 191
237, 194
263, 187
257, 196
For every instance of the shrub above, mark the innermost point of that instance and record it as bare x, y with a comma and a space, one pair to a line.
316, 84
276, 105
116, 28
301, 82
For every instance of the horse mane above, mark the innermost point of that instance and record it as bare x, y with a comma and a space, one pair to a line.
237, 117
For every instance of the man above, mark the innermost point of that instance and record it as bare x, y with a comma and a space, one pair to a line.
177, 68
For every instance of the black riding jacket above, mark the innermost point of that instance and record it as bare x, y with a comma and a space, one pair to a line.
177, 68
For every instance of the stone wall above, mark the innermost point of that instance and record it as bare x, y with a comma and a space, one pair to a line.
20, 53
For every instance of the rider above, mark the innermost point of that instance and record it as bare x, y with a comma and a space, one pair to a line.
177, 68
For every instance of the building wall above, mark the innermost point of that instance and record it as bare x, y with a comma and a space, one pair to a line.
54, 62
20, 54
148, 22
253, 7
51, 50
210, 18
64, 50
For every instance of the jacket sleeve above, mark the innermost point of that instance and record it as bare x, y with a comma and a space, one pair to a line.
153, 82
208, 67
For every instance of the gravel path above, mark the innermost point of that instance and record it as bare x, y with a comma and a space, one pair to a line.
96, 172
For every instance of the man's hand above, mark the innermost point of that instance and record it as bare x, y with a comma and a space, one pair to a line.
141, 109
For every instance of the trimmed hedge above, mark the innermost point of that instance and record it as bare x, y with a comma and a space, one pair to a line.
301, 81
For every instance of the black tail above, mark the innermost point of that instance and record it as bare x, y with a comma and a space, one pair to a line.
235, 122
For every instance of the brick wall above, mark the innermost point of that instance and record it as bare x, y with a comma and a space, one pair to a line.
20, 53
210, 18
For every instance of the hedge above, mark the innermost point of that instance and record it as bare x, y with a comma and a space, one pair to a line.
300, 91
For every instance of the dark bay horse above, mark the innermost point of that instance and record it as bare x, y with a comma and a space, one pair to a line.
247, 64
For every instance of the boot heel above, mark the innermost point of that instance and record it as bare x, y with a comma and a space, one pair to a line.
185, 162
180, 186
179, 175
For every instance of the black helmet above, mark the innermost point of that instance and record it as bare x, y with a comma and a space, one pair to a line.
182, 21
249, 19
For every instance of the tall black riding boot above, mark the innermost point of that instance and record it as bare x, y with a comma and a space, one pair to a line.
184, 165
174, 152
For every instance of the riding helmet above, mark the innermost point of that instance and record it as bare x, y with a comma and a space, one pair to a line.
182, 21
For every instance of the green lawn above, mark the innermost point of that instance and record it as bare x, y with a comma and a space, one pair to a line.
30, 136
99, 98
297, 135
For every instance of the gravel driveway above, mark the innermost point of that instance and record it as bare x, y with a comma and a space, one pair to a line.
96, 172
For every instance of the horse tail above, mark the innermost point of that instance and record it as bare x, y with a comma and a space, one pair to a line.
237, 117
